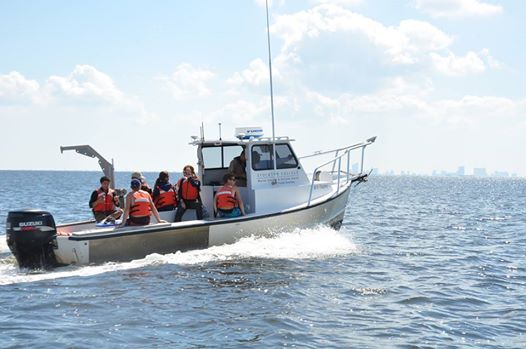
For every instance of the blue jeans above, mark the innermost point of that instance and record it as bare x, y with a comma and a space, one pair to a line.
236, 212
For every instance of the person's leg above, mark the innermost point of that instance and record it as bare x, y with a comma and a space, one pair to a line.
180, 212
199, 210
196, 205
117, 213
99, 216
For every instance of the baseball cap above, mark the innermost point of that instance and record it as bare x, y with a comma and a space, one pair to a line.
135, 183
137, 175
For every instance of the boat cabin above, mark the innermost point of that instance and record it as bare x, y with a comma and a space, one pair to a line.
273, 182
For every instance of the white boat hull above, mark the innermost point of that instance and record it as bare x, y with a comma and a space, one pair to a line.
99, 246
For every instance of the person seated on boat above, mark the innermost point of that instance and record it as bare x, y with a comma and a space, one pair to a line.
104, 202
238, 168
188, 189
139, 206
164, 196
144, 186
227, 201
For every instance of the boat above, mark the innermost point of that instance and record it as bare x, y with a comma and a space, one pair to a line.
279, 196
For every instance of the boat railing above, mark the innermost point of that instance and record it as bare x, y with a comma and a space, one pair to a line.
342, 176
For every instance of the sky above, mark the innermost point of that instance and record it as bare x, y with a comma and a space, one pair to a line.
441, 83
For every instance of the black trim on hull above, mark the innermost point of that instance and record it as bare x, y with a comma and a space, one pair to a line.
113, 234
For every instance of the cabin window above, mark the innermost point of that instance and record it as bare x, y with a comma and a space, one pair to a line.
262, 157
212, 157
285, 157
220, 156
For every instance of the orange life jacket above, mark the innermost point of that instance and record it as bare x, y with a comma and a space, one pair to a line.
108, 205
165, 198
225, 198
189, 192
141, 204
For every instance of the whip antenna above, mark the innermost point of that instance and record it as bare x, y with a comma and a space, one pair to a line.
271, 89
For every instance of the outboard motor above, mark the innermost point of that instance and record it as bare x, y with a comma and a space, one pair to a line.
30, 238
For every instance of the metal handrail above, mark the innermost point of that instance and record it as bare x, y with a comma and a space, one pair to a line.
334, 150
338, 159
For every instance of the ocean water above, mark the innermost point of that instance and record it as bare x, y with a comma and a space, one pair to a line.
420, 262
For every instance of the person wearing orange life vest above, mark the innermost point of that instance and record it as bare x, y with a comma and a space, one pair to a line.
104, 202
139, 206
164, 196
188, 189
227, 201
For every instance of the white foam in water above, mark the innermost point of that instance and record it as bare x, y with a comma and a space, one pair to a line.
317, 243
3, 244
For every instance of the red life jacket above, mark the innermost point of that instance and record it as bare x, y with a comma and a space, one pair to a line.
108, 205
225, 198
141, 204
165, 198
189, 192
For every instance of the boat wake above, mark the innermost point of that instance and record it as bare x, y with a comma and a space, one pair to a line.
322, 242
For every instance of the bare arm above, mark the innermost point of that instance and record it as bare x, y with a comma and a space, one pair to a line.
126, 210
215, 204
240, 201
155, 212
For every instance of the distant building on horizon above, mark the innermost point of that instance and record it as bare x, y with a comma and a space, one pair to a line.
501, 174
479, 172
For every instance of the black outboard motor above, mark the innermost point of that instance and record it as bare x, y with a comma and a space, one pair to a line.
30, 236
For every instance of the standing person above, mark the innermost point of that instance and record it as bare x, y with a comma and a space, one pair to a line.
164, 196
139, 206
104, 202
238, 168
144, 186
188, 189
227, 201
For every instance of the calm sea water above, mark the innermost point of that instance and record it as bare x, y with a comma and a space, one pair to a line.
419, 263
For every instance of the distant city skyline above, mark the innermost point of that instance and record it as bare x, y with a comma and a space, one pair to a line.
460, 172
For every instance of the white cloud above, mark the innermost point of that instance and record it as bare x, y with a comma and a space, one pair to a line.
471, 63
256, 74
85, 84
457, 66
85, 88
15, 88
392, 103
490, 60
402, 44
188, 81
457, 8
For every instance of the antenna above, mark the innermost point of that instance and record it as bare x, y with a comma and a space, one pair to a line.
271, 88
219, 130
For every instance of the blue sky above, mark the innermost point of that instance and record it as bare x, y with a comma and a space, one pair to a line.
440, 82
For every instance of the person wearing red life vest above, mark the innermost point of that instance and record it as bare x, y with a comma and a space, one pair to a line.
188, 189
164, 196
227, 201
104, 202
139, 206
